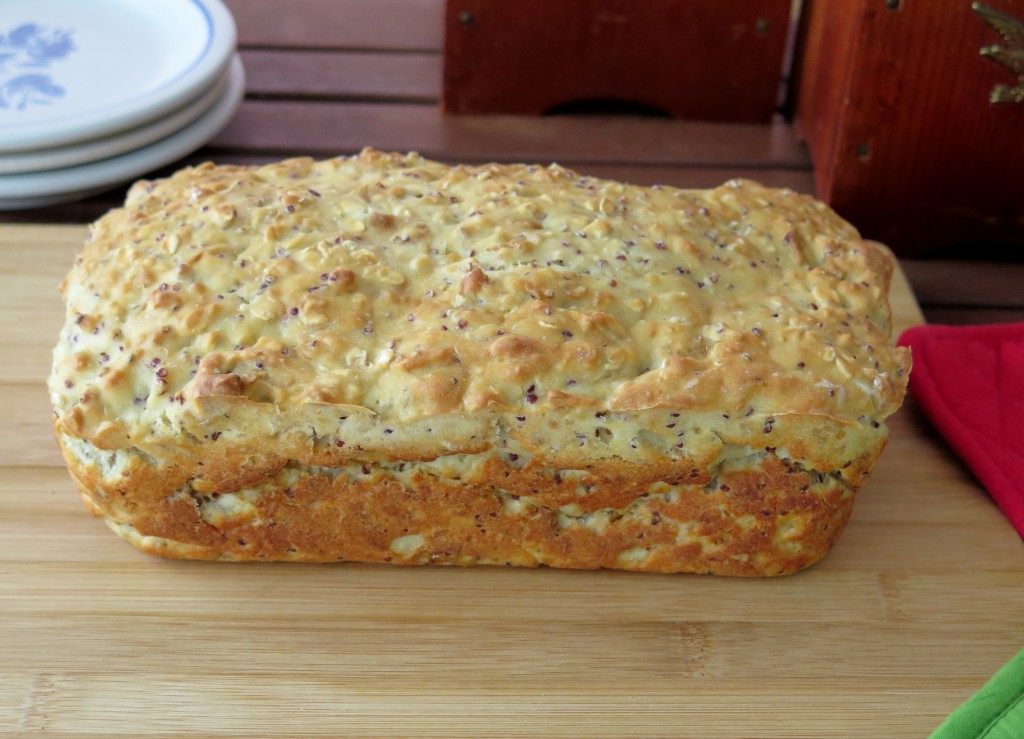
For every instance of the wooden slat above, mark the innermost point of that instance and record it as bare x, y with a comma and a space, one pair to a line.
967, 316
336, 128
401, 25
964, 283
341, 75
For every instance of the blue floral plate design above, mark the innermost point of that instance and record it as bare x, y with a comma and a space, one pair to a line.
19, 191
77, 70
24, 52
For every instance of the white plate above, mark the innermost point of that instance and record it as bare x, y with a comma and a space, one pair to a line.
73, 183
41, 160
72, 70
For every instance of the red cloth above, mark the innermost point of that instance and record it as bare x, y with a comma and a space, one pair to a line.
970, 382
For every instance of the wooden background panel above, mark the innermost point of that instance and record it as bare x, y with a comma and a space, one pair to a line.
396, 25
964, 292
945, 282
342, 75
335, 128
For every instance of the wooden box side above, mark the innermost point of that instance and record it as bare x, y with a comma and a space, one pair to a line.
699, 59
910, 148
823, 65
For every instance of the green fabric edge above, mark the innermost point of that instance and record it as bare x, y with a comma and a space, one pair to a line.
994, 712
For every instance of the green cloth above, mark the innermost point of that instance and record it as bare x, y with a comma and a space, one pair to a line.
994, 712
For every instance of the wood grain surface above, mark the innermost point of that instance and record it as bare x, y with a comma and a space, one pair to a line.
919, 603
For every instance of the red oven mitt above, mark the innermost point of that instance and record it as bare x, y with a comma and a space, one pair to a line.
970, 382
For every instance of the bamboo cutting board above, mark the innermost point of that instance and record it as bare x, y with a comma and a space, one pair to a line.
920, 602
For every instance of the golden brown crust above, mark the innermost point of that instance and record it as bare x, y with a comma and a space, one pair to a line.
771, 519
500, 326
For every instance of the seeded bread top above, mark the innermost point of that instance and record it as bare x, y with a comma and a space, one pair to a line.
400, 291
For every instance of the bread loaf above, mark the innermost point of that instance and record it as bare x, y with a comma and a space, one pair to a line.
384, 359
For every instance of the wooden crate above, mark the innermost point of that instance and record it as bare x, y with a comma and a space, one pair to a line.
700, 59
893, 100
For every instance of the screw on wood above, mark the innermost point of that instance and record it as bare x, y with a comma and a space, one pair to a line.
762, 25
466, 18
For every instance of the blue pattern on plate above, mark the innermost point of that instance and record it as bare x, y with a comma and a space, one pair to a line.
28, 47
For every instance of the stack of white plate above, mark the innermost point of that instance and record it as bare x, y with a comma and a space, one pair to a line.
94, 94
